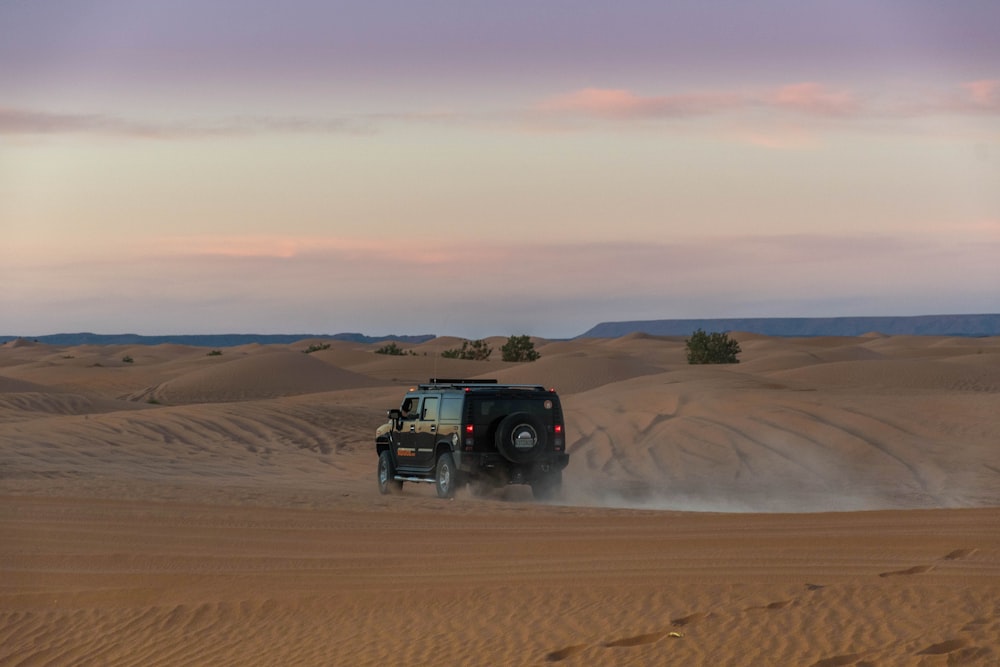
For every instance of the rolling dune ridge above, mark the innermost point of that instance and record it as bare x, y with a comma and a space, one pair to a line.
827, 501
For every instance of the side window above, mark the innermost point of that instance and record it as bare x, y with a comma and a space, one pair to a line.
451, 408
430, 409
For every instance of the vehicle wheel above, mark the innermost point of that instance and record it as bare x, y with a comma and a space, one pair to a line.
386, 472
446, 477
547, 486
520, 437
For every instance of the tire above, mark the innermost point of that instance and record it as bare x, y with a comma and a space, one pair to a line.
521, 438
386, 472
446, 476
547, 486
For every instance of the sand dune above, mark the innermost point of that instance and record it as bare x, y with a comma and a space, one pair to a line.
265, 375
828, 501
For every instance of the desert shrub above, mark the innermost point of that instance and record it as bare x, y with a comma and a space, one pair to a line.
391, 349
519, 348
711, 348
127, 359
316, 348
477, 350
215, 353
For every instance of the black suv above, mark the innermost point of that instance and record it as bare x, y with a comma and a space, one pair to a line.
453, 432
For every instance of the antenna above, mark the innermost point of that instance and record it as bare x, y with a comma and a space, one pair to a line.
437, 352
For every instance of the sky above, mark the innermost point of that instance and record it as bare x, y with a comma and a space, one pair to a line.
475, 168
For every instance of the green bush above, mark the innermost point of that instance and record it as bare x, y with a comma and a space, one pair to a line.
127, 359
215, 353
316, 348
476, 350
711, 348
391, 349
519, 348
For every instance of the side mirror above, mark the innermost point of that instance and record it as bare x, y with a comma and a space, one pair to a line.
395, 416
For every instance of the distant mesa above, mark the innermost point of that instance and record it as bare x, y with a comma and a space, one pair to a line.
205, 340
917, 325
868, 327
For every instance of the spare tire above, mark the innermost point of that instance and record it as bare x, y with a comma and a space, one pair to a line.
521, 437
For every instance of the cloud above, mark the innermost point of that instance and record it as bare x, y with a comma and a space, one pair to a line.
23, 121
36, 122
337, 284
983, 95
500, 267
613, 103
813, 99
808, 99
783, 137
342, 251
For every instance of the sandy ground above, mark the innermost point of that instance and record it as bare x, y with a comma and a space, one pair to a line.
831, 501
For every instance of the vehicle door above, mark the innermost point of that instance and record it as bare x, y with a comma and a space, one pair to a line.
425, 431
405, 438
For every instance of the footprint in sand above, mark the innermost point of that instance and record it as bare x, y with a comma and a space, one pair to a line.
773, 606
959, 652
637, 640
975, 624
972, 655
563, 653
944, 647
916, 569
689, 619
957, 554
837, 660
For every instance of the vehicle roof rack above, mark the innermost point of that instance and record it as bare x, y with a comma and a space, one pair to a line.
458, 381
436, 383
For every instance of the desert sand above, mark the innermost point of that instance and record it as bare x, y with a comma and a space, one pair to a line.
827, 501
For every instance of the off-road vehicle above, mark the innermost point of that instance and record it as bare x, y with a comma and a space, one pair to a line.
453, 432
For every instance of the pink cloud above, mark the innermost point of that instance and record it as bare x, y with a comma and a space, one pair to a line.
789, 139
807, 98
814, 99
984, 94
623, 103
413, 252
597, 100
332, 281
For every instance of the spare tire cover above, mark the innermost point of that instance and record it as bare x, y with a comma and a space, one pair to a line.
521, 437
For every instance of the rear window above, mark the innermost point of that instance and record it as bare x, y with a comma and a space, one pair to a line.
488, 410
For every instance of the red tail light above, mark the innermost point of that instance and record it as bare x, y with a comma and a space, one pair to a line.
558, 429
470, 441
